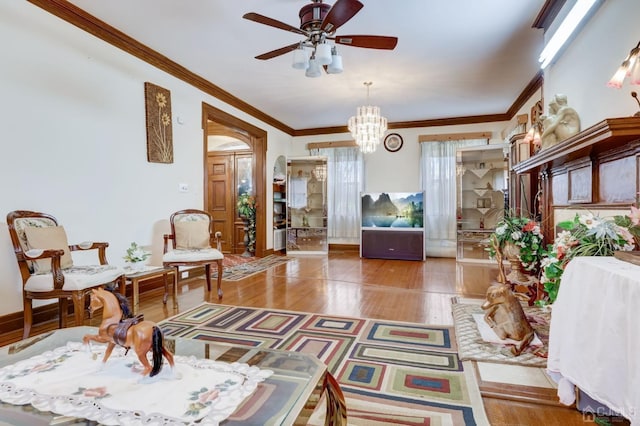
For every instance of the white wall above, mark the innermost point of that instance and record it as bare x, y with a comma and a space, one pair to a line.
74, 140
398, 171
591, 58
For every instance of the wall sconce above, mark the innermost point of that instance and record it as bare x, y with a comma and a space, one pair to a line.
630, 68
534, 137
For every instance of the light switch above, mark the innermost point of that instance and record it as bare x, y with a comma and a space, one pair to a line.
183, 187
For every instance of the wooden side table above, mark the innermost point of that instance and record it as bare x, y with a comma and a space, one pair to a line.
150, 272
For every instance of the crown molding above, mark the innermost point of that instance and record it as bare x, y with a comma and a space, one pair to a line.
548, 13
100, 29
89, 23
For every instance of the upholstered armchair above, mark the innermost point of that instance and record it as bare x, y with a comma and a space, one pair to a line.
191, 238
47, 269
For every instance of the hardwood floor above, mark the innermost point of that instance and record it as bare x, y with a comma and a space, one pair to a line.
344, 284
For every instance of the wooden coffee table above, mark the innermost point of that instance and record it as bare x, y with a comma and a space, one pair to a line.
289, 396
135, 277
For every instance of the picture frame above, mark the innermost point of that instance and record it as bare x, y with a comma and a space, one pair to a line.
393, 142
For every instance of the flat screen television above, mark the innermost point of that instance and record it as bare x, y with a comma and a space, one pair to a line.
392, 210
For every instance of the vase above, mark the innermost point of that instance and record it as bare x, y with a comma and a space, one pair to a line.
517, 276
246, 222
137, 266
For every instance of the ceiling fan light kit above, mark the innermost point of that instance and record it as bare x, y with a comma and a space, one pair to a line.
318, 23
323, 53
335, 67
314, 68
300, 59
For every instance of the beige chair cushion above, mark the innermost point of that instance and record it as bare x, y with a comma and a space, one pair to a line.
191, 255
49, 237
192, 234
76, 278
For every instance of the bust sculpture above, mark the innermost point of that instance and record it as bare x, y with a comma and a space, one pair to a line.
561, 123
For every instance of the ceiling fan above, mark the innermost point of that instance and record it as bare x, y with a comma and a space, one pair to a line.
318, 24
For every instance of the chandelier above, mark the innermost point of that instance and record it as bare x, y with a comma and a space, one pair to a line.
367, 127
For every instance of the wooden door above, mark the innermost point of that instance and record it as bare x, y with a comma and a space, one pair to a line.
220, 197
229, 175
218, 122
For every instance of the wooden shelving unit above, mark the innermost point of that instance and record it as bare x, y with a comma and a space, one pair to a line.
279, 215
597, 169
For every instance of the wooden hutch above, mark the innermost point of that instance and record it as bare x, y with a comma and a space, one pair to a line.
597, 169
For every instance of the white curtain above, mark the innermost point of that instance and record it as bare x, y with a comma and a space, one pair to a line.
345, 174
438, 176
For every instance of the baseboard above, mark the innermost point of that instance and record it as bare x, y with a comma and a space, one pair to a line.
14, 322
332, 248
344, 247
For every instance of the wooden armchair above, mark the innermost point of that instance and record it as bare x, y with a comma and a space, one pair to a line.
191, 237
47, 269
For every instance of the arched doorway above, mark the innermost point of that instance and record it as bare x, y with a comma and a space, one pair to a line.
221, 183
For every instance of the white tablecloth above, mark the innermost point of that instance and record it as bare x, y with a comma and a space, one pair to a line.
594, 337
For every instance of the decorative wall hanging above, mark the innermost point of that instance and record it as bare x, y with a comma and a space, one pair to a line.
159, 130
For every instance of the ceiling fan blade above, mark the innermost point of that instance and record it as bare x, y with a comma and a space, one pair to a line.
261, 19
368, 41
278, 52
340, 12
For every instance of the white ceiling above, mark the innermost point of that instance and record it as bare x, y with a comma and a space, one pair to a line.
454, 58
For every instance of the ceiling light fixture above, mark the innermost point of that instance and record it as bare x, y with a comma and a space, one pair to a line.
314, 68
630, 68
300, 58
564, 31
318, 24
367, 127
323, 55
335, 67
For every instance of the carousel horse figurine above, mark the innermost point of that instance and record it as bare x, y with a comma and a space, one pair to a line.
118, 328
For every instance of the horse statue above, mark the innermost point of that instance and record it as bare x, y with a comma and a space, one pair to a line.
118, 327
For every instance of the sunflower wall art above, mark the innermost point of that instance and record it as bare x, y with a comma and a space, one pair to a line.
159, 130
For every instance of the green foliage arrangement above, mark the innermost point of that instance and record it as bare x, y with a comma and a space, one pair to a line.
247, 210
247, 205
586, 235
524, 233
136, 253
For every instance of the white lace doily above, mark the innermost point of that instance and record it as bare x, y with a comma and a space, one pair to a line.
73, 381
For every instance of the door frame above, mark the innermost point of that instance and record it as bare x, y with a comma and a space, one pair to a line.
258, 142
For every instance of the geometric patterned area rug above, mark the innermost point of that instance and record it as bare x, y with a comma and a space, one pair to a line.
243, 269
390, 372
471, 347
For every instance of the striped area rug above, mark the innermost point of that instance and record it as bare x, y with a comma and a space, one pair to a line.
390, 372
241, 269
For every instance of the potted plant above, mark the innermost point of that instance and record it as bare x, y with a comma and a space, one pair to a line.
136, 256
586, 235
519, 240
247, 211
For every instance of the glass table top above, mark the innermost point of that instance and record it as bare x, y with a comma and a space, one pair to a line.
293, 390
